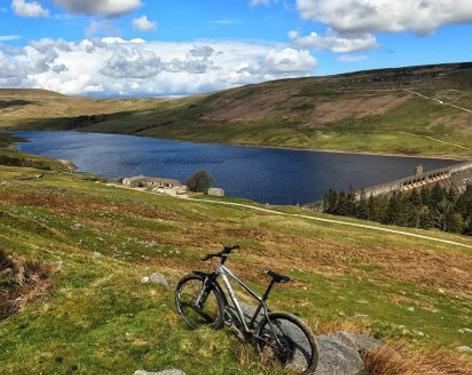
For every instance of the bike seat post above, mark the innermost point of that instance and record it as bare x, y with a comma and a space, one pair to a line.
269, 288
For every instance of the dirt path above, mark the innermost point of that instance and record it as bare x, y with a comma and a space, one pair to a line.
308, 217
439, 101
333, 221
436, 140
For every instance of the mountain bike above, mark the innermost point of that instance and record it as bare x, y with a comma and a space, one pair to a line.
278, 336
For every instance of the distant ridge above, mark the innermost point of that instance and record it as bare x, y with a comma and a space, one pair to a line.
418, 110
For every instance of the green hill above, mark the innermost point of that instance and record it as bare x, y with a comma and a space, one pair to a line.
83, 246
424, 110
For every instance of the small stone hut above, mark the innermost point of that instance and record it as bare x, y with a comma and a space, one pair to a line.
151, 182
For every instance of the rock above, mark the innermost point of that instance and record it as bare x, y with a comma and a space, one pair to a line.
172, 371
339, 353
357, 342
337, 358
156, 278
464, 349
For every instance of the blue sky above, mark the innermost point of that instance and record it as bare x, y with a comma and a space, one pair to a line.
144, 47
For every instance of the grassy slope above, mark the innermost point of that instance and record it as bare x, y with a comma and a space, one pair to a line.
365, 111
99, 318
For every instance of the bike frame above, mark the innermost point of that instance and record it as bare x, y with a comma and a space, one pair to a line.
225, 274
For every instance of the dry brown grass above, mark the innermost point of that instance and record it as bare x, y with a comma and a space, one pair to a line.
397, 359
21, 281
325, 328
332, 111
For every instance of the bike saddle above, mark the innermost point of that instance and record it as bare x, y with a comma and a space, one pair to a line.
277, 277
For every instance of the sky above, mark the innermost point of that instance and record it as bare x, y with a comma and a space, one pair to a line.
113, 48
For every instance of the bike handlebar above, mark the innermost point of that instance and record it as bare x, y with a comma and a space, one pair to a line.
226, 251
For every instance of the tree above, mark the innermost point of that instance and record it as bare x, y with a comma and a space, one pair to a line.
393, 215
330, 201
200, 181
362, 211
454, 222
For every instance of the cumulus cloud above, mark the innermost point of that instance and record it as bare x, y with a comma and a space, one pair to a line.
289, 60
334, 42
99, 7
368, 16
132, 63
202, 51
115, 66
28, 9
144, 24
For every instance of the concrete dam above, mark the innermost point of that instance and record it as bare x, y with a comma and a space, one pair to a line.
457, 176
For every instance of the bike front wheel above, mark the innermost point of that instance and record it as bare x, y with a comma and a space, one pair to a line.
199, 302
284, 338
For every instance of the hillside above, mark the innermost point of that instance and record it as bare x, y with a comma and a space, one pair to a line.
94, 242
413, 111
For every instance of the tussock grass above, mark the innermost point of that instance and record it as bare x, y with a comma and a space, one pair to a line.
398, 359
21, 281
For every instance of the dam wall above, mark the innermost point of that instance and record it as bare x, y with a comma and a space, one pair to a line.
457, 176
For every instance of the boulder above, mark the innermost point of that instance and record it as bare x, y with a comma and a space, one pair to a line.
156, 278
357, 342
334, 357
165, 372
339, 353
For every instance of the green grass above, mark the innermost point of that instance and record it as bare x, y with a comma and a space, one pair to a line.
284, 114
99, 318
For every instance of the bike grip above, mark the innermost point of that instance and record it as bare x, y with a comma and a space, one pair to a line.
231, 248
207, 257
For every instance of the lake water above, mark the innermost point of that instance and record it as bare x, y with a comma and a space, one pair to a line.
264, 175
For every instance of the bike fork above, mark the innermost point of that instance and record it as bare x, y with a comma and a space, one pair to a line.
202, 296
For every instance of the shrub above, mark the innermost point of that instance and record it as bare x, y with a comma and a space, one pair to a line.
200, 181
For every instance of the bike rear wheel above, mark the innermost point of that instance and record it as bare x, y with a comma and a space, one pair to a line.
286, 339
199, 302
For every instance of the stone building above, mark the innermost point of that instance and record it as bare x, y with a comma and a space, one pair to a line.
151, 182
216, 192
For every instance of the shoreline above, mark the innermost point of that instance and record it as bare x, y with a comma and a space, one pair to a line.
345, 152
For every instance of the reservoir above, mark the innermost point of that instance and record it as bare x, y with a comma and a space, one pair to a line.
265, 175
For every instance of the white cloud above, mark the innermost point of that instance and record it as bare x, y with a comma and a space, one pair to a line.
7, 38
368, 16
144, 24
115, 66
132, 63
289, 60
334, 42
202, 51
28, 9
100, 7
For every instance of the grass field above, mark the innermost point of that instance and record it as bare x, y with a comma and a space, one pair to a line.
372, 111
98, 241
